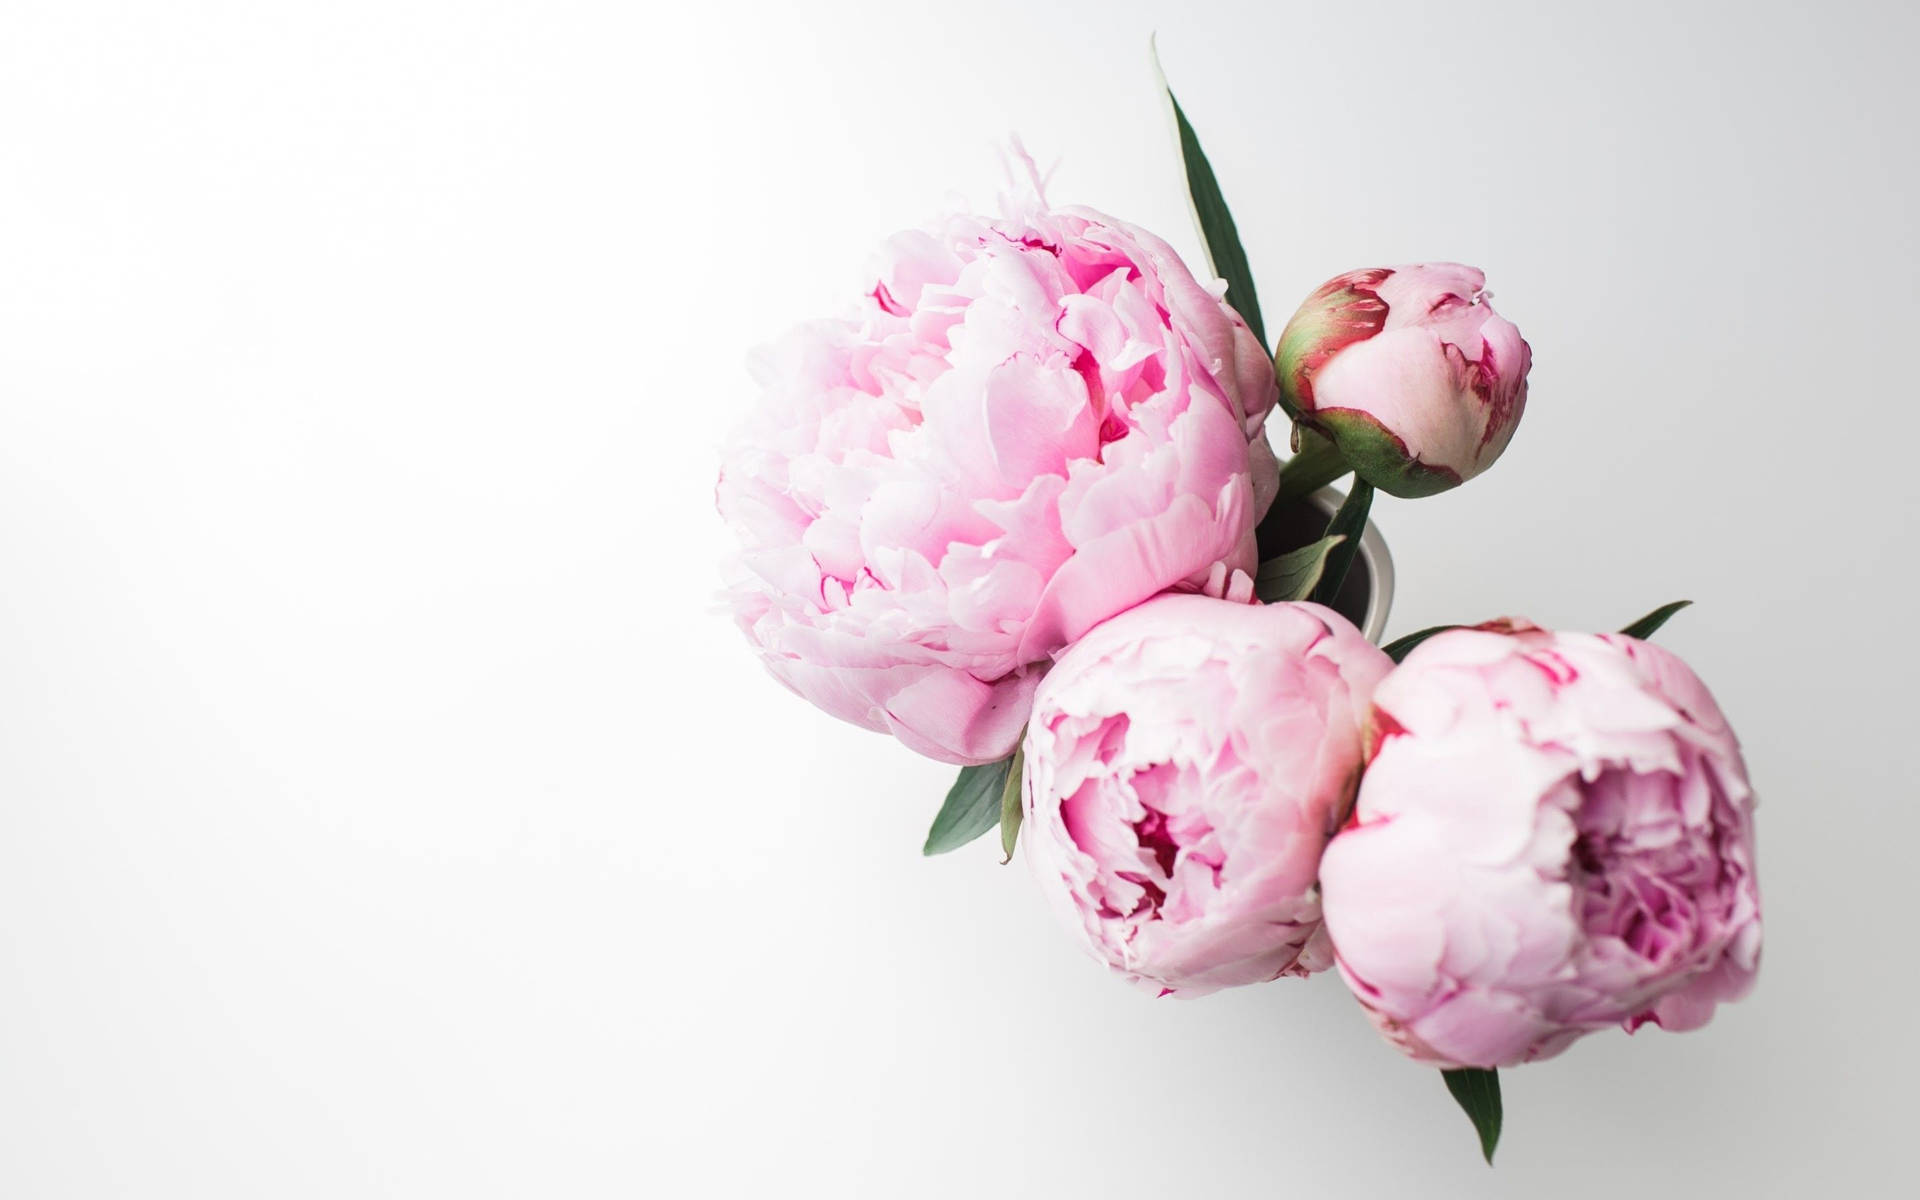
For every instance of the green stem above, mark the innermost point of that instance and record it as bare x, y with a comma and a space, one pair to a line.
1349, 523
1317, 465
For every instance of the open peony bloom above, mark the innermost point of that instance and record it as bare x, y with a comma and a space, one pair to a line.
1187, 763
1030, 424
1410, 372
1555, 835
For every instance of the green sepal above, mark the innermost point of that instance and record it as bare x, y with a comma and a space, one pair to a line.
1379, 457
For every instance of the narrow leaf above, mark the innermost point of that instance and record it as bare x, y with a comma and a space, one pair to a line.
1478, 1093
972, 807
1399, 648
1293, 575
1644, 627
1347, 525
1217, 232
1010, 804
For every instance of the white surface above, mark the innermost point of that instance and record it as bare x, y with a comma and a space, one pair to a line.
383, 812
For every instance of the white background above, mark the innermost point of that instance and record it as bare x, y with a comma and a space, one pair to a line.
384, 811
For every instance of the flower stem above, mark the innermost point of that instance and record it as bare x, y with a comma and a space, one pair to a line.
1348, 524
1316, 465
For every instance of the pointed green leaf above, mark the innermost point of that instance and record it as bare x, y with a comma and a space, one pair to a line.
1644, 627
1217, 232
972, 807
1010, 804
1478, 1093
1293, 575
1347, 524
1399, 648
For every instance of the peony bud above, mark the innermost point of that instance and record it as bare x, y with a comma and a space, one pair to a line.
1410, 372
1186, 764
1555, 835
1030, 424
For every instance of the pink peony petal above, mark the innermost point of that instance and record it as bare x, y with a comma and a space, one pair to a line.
1026, 425
1178, 838
1556, 838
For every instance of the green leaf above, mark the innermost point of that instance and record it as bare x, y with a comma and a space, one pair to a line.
1010, 804
1478, 1093
972, 807
1347, 524
1222, 240
1293, 575
1644, 627
1399, 648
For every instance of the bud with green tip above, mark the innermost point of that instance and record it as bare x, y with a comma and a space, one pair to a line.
1409, 371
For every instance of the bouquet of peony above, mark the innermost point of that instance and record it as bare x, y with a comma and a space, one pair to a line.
1017, 508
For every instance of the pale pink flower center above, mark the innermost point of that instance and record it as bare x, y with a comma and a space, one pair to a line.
1646, 875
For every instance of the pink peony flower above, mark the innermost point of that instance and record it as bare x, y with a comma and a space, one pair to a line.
1555, 835
1410, 372
1030, 424
1186, 764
